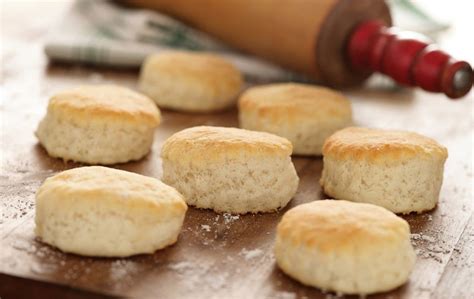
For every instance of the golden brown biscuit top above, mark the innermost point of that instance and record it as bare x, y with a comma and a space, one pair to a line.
297, 101
332, 225
205, 144
381, 145
211, 69
114, 187
105, 101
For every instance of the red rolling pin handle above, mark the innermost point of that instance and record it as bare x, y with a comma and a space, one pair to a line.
409, 59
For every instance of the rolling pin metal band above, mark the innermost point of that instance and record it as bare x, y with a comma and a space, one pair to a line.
330, 56
408, 59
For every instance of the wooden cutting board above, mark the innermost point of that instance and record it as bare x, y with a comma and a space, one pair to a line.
217, 256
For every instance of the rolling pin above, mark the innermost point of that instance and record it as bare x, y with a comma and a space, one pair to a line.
339, 43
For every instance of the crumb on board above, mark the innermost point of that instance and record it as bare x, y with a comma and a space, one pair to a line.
432, 249
229, 218
250, 254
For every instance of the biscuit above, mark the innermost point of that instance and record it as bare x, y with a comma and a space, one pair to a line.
304, 114
192, 82
230, 170
99, 211
99, 124
400, 171
345, 247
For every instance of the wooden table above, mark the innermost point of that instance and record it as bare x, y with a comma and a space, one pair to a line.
232, 259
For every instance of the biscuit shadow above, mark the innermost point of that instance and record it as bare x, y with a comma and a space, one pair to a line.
46, 162
181, 120
58, 68
282, 283
94, 272
419, 221
279, 283
225, 230
397, 95
325, 196
146, 165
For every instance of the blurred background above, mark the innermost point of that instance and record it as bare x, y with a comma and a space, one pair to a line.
104, 33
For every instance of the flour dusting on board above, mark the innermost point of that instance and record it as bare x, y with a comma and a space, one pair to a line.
229, 218
122, 269
429, 247
250, 254
181, 267
18, 198
332, 295
214, 231
285, 295
196, 274
205, 227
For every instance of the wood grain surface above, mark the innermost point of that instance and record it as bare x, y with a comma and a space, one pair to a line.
230, 256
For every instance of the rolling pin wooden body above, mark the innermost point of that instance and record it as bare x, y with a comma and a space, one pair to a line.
337, 42
307, 36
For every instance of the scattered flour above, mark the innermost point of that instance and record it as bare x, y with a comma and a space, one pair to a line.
431, 248
39, 268
24, 245
333, 295
196, 274
96, 78
181, 266
250, 254
205, 227
218, 282
285, 295
428, 238
436, 249
229, 218
122, 269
